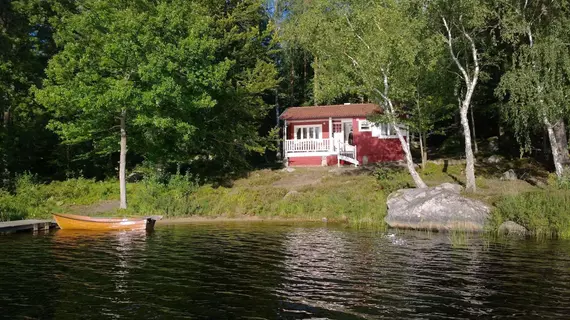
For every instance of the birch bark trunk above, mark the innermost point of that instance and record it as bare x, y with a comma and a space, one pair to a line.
407, 154
555, 148
423, 149
470, 78
562, 141
123, 162
475, 146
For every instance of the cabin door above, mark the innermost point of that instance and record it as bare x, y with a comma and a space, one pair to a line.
346, 133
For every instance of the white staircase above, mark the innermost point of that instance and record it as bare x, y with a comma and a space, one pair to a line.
347, 156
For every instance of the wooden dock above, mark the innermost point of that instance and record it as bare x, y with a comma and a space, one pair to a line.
27, 225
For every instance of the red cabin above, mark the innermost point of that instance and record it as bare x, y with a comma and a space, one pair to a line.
338, 134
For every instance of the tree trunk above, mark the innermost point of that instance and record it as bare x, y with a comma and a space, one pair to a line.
123, 162
470, 84
476, 148
562, 141
554, 147
5, 171
423, 149
470, 184
405, 146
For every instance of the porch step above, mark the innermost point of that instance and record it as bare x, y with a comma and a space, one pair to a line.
348, 159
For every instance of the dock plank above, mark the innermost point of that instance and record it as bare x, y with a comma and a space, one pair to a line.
21, 225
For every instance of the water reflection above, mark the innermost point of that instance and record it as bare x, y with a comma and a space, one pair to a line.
103, 270
271, 271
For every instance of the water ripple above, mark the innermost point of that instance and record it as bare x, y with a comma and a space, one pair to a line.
279, 271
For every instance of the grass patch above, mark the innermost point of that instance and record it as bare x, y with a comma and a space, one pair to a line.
545, 213
358, 199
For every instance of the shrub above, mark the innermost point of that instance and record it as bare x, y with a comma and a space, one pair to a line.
392, 179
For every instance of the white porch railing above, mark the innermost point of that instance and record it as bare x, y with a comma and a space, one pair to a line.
312, 145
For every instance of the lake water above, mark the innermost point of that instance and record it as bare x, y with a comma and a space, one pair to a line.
279, 271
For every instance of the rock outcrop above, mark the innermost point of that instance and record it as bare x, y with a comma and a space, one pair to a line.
437, 208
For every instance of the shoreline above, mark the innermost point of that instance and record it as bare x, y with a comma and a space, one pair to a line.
244, 218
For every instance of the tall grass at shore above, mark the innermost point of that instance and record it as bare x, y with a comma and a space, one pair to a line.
356, 197
546, 213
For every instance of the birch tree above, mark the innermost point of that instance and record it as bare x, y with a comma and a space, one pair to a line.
462, 22
375, 44
538, 83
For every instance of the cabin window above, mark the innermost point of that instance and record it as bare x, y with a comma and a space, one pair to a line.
364, 125
308, 132
385, 130
337, 127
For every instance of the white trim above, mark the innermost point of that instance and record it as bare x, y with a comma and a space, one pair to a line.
360, 122
303, 121
295, 127
378, 131
331, 133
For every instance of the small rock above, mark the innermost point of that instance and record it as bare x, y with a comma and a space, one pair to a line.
509, 175
135, 176
451, 187
494, 159
536, 182
493, 144
325, 219
288, 169
291, 193
512, 228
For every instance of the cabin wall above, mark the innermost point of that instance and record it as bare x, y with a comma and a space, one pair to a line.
367, 146
292, 125
375, 149
305, 161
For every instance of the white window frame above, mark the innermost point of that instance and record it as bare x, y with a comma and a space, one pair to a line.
320, 126
361, 122
382, 127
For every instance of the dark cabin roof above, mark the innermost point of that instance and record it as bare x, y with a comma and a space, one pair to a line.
332, 111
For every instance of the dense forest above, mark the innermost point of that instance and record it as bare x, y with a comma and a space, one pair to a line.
197, 86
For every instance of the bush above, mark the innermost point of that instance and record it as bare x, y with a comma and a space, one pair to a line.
169, 196
392, 179
544, 213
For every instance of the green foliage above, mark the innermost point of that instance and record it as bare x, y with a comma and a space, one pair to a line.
356, 43
392, 179
31, 199
535, 86
545, 213
170, 198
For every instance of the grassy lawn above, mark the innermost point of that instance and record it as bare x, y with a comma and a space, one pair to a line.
353, 195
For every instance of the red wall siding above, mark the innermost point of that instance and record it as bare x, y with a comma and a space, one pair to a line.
291, 127
305, 161
314, 161
377, 150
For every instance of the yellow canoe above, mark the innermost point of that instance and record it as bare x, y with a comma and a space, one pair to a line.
77, 222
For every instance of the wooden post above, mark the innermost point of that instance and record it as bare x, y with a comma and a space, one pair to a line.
331, 132
284, 138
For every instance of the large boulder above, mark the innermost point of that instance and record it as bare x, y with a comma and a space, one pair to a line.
437, 208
